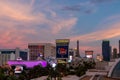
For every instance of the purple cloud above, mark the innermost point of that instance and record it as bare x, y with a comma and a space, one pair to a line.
88, 6
100, 1
72, 8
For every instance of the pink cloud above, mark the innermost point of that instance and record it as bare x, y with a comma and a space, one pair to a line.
32, 3
64, 25
21, 12
9, 40
20, 27
15, 11
107, 33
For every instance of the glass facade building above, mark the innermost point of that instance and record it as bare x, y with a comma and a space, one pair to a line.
106, 52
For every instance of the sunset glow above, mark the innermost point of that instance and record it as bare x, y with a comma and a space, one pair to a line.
89, 21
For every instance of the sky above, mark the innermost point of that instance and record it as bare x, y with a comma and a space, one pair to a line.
44, 21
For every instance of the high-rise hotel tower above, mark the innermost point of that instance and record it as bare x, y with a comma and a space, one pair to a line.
106, 52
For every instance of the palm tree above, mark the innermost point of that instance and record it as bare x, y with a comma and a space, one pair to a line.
11, 77
2, 75
62, 69
80, 70
23, 76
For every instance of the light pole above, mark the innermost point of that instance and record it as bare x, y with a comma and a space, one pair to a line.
54, 69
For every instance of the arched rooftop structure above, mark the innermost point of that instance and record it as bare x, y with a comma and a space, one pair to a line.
115, 70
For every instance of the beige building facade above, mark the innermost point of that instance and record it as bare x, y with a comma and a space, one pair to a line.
44, 49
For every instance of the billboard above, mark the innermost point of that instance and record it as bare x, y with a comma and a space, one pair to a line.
18, 69
62, 47
62, 51
89, 54
63, 61
62, 40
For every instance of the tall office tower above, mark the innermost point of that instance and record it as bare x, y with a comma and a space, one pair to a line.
77, 52
111, 52
115, 53
106, 50
119, 50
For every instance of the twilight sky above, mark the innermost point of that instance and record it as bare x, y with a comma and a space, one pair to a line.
36, 21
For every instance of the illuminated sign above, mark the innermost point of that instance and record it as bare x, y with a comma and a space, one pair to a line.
89, 54
61, 61
18, 69
62, 40
62, 47
28, 64
62, 52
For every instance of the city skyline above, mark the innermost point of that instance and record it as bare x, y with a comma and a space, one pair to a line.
37, 21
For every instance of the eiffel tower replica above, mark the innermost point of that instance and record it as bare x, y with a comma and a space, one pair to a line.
77, 51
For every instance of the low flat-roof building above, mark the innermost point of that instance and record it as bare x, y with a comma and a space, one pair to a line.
12, 54
44, 49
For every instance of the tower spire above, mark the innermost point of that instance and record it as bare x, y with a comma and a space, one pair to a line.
77, 53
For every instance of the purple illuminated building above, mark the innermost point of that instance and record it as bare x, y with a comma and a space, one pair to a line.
27, 64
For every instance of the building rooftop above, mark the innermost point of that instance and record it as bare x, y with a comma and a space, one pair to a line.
112, 73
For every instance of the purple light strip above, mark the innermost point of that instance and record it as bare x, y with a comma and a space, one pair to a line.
28, 64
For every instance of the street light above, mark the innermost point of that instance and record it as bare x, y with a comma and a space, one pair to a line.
54, 65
